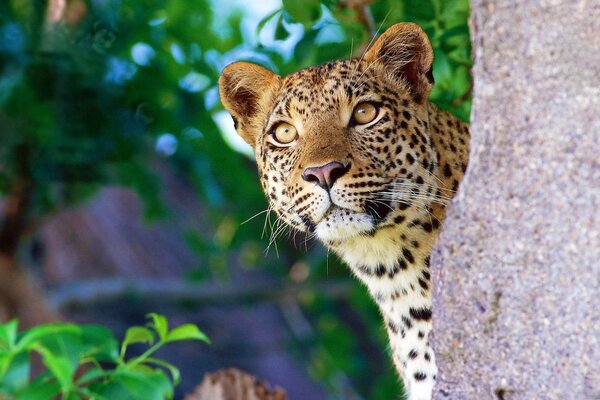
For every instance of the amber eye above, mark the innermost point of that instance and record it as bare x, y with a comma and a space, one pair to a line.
364, 113
285, 133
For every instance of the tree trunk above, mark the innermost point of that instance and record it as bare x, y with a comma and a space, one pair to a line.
517, 268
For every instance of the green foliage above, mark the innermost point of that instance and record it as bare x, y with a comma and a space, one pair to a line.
85, 361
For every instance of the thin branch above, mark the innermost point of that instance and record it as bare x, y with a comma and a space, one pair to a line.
87, 292
363, 12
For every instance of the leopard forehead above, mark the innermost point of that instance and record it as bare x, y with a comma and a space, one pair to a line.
393, 155
317, 91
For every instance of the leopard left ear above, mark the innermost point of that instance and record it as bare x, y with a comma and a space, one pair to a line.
246, 91
404, 49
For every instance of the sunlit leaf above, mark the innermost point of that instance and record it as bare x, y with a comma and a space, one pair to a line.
59, 365
137, 334
8, 334
160, 325
186, 332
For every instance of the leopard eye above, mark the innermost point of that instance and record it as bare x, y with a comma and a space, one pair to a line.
284, 133
364, 113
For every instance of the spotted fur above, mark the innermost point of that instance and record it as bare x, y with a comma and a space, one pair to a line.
382, 213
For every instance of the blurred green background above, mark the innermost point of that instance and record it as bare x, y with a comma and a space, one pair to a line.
101, 95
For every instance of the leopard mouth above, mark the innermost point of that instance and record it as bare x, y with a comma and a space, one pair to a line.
341, 223
378, 210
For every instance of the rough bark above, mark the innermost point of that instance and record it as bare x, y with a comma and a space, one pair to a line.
517, 268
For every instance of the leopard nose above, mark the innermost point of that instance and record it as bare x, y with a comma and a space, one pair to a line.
327, 174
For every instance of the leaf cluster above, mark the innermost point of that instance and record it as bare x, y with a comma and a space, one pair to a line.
86, 362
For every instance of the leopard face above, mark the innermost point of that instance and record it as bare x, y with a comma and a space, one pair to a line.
342, 173
343, 149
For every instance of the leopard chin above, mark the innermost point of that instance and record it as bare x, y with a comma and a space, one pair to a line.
341, 224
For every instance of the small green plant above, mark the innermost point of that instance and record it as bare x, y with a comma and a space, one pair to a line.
86, 361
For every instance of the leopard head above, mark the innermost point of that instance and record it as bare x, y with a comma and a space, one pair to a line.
343, 149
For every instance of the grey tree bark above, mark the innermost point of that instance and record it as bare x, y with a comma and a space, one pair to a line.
517, 268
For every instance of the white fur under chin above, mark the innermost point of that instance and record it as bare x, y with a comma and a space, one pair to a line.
338, 226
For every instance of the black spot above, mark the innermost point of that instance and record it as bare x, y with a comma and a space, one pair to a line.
380, 270
413, 354
392, 327
420, 313
408, 255
427, 227
427, 261
420, 376
378, 210
421, 334
423, 284
394, 271
309, 225
407, 322
447, 171
427, 357
411, 159
399, 219
402, 264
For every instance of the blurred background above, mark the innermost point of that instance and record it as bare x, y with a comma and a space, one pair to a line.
124, 188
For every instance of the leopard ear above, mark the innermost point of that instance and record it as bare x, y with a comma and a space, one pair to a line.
405, 51
246, 91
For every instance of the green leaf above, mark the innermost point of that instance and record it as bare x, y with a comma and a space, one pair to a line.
148, 386
60, 366
91, 375
42, 388
280, 32
175, 375
186, 332
135, 385
5, 360
17, 373
305, 45
98, 342
8, 334
306, 12
44, 333
266, 19
160, 325
441, 67
137, 334
456, 31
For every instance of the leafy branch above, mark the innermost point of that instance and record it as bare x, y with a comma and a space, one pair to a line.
85, 361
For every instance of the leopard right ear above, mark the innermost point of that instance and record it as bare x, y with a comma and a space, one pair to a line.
247, 91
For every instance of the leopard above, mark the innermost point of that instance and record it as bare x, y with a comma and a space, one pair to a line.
353, 153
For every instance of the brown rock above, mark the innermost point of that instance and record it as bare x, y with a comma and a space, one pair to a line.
233, 384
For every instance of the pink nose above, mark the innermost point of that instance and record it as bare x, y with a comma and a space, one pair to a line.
327, 174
